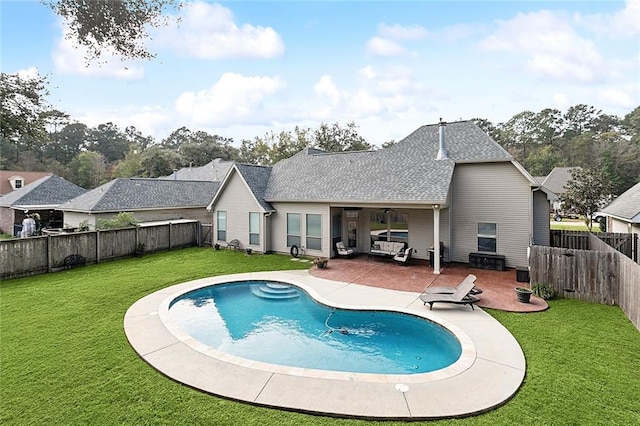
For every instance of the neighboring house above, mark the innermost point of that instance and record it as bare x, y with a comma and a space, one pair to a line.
556, 182
10, 180
42, 197
623, 213
215, 170
148, 200
449, 183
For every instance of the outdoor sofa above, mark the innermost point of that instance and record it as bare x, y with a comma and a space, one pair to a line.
386, 248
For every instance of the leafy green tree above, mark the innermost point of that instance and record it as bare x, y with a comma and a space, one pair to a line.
157, 162
89, 169
255, 151
542, 160
22, 114
201, 148
131, 165
586, 192
118, 25
336, 138
388, 144
108, 140
631, 126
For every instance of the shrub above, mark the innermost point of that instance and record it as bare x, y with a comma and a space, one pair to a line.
543, 290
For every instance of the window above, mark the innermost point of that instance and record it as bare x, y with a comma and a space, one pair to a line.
487, 237
221, 225
314, 232
293, 229
254, 228
17, 183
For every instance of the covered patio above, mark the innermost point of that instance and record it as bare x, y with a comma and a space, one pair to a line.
497, 286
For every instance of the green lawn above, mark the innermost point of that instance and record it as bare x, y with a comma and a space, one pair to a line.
65, 358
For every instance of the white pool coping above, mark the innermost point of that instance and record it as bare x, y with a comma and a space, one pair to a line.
489, 371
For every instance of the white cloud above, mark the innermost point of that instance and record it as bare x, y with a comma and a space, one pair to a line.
386, 43
399, 32
390, 92
624, 23
325, 87
209, 31
28, 73
384, 47
69, 58
553, 48
146, 119
234, 98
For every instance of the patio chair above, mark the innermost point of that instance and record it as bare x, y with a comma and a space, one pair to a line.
403, 256
461, 296
451, 290
342, 250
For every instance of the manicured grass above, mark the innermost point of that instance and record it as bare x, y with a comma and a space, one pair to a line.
65, 358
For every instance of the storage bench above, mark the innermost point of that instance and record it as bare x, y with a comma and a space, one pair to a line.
491, 261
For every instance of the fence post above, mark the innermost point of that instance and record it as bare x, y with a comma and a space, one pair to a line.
170, 235
49, 261
97, 246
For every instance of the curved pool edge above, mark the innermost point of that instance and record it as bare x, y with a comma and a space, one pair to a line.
490, 371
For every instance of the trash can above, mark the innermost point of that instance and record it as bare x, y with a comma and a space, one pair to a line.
522, 274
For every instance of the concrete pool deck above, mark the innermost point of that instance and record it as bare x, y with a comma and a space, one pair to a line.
489, 372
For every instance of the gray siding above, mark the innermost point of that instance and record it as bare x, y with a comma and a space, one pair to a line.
491, 193
279, 226
540, 219
237, 200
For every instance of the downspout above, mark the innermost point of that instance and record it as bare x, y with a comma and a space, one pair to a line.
436, 239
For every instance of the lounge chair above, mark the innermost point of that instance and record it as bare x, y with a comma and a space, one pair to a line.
403, 256
461, 296
451, 290
342, 250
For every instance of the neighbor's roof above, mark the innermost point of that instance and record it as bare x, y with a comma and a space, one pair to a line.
406, 172
257, 178
626, 206
127, 194
46, 192
215, 170
28, 177
558, 178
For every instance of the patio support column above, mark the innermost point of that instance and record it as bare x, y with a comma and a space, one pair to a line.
436, 239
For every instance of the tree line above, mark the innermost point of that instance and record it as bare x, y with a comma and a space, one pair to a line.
34, 136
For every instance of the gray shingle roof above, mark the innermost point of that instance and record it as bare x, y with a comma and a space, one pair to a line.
627, 205
47, 191
213, 171
257, 178
126, 194
405, 172
557, 179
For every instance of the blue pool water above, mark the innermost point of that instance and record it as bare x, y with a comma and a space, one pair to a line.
281, 324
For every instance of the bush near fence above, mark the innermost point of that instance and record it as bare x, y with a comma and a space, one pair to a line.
39, 255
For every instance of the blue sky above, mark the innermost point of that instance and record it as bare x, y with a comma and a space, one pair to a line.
240, 69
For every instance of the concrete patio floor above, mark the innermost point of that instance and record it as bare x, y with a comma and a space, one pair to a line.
489, 372
497, 286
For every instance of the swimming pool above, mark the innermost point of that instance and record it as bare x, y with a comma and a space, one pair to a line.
277, 323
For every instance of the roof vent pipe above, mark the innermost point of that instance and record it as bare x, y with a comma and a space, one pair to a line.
175, 174
442, 151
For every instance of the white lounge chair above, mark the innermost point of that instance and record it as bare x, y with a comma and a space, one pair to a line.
451, 290
404, 256
461, 296
342, 250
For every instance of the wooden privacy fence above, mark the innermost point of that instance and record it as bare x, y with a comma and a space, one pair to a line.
39, 255
626, 244
602, 275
